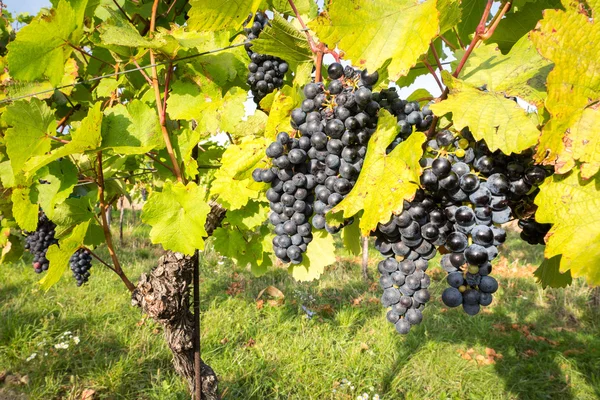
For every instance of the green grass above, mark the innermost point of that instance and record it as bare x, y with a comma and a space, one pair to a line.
276, 352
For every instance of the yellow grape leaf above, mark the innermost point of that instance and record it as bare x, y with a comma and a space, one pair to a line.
572, 206
216, 15
59, 255
584, 141
320, 254
284, 102
233, 182
372, 31
522, 72
386, 180
571, 41
501, 122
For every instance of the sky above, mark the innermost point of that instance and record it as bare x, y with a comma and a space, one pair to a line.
30, 6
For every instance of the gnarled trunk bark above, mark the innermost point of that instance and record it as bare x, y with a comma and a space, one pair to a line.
164, 295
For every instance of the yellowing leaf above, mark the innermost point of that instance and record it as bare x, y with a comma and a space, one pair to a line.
24, 210
571, 41
584, 142
320, 253
42, 46
522, 72
233, 181
215, 15
372, 31
572, 205
386, 180
501, 122
284, 102
177, 216
59, 255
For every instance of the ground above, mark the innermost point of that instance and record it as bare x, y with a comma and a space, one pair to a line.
530, 344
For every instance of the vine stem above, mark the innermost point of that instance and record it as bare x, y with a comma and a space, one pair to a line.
318, 49
123, 11
432, 71
481, 33
162, 111
155, 159
106, 228
99, 259
85, 53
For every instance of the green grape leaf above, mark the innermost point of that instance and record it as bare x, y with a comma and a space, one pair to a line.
223, 112
31, 124
572, 206
106, 87
490, 116
6, 174
519, 22
548, 274
420, 94
215, 15
24, 209
233, 182
351, 238
71, 212
134, 129
386, 180
284, 102
13, 249
59, 179
85, 138
119, 32
472, 11
41, 48
281, 39
522, 72
177, 216
94, 236
242, 248
254, 214
450, 13
320, 254
559, 39
59, 255
184, 143
372, 31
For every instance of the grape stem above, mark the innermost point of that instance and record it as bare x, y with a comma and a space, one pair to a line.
432, 71
162, 111
481, 33
106, 227
99, 259
453, 47
156, 160
144, 74
318, 49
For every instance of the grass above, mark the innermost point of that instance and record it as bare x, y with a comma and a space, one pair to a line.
270, 349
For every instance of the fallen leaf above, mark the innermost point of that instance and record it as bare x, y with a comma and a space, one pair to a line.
569, 352
88, 394
260, 303
250, 343
224, 340
364, 347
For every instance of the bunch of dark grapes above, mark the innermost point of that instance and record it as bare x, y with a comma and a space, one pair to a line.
266, 72
290, 196
532, 231
408, 113
412, 237
80, 263
38, 242
336, 122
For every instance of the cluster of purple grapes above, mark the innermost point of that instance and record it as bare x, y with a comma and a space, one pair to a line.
478, 190
266, 73
81, 263
314, 171
37, 242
